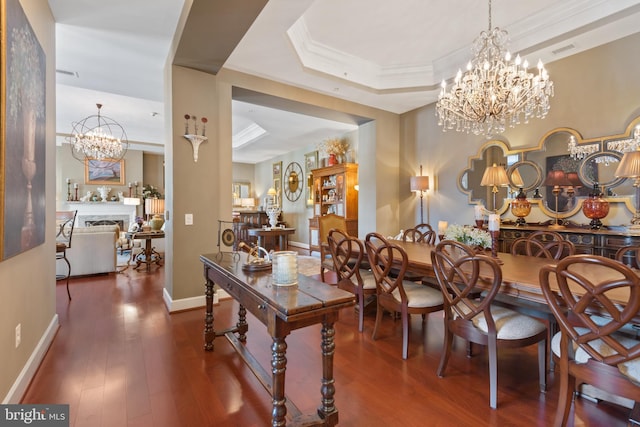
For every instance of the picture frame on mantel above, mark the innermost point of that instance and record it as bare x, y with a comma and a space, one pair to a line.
22, 134
107, 171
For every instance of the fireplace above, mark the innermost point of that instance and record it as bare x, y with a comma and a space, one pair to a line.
118, 222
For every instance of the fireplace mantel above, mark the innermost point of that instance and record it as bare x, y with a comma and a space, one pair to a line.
116, 211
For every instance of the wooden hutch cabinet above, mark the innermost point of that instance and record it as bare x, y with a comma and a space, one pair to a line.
334, 192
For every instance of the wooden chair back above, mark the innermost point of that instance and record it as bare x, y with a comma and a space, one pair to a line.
457, 268
346, 253
629, 255
421, 233
384, 257
573, 295
543, 244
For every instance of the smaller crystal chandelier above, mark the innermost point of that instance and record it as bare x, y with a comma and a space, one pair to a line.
494, 92
98, 137
579, 152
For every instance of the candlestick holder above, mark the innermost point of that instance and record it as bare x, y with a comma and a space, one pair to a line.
480, 223
494, 245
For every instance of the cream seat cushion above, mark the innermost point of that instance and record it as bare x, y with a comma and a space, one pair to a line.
368, 279
510, 325
629, 369
419, 295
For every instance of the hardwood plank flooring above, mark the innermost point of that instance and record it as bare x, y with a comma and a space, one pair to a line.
119, 359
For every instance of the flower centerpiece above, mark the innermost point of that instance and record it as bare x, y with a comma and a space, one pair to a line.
470, 236
334, 148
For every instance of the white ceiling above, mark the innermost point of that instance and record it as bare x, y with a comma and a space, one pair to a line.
388, 55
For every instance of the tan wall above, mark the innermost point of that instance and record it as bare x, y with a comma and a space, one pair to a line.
597, 92
68, 167
27, 280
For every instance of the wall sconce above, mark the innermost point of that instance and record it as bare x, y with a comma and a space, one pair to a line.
194, 138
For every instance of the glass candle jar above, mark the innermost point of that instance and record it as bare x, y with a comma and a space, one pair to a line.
284, 267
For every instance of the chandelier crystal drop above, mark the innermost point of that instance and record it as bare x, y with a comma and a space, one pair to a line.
495, 91
579, 152
98, 137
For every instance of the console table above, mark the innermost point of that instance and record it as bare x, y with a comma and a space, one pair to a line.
281, 233
604, 242
281, 309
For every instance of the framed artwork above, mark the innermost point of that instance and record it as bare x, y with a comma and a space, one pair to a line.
310, 161
22, 138
277, 179
107, 171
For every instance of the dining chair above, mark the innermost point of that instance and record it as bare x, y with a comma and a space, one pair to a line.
65, 221
421, 233
326, 223
393, 292
629, 255
543, 244
589, 352
347, 253
458, 269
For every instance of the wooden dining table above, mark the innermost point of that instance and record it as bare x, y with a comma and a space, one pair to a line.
520, 276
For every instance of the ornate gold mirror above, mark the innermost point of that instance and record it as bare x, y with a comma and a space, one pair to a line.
525, 174
583, 162
469, 181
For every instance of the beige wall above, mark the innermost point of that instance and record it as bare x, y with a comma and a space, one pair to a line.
597, 92
68, 167
27, 281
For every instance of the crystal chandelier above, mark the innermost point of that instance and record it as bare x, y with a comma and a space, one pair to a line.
98, 137
494, 92
579, 152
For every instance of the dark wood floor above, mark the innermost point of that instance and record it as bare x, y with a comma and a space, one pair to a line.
119, 359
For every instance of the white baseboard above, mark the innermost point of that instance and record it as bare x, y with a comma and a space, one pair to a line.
299, 245
19, 387
189, 303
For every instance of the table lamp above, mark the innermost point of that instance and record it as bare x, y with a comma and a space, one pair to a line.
556, 179
494, 176
629, 167
421, 184
155, 208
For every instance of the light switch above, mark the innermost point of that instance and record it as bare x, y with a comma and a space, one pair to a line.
188, 219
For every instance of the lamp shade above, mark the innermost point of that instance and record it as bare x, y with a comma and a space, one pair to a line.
132, 201
272, 192
154, 206
419, 183
516, 179
495, 176
556, 178
629, 166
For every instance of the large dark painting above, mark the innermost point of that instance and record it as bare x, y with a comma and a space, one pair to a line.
22, 139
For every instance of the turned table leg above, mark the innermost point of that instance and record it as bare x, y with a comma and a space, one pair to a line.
278, 368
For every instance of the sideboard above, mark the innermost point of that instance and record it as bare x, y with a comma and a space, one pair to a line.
604, 242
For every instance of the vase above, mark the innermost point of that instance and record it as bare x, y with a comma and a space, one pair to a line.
595, 207
332, 160
521, 207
